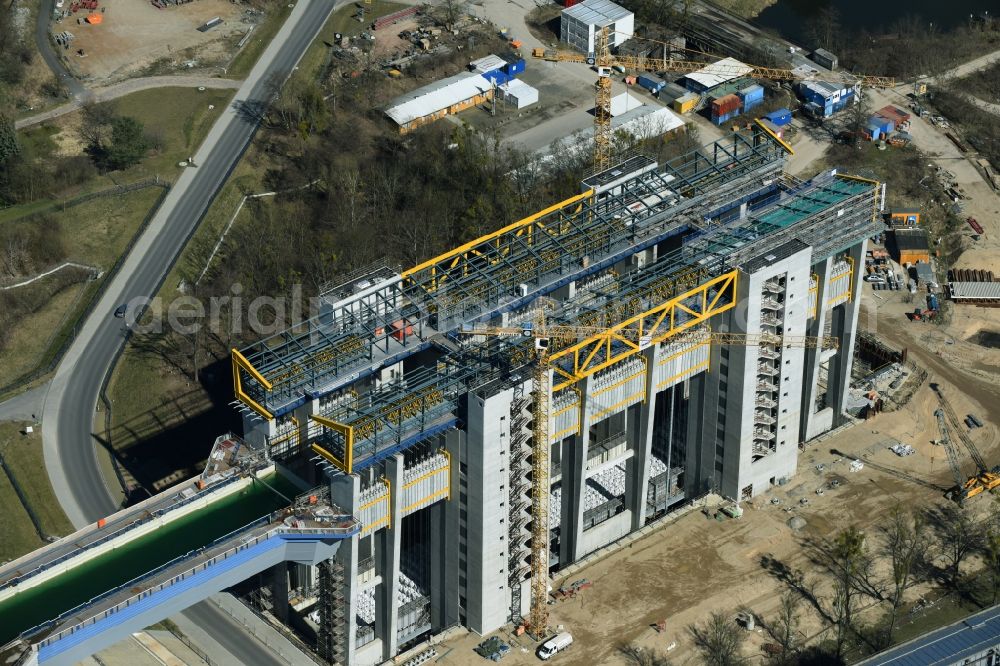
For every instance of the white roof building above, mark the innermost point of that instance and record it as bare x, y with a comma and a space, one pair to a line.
718, 73
624, 103
579, 23
519, 93
438, 99
647, 122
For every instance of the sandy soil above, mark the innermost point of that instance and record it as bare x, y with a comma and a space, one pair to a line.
134, 35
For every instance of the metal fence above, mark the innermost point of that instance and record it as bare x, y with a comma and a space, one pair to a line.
113, 535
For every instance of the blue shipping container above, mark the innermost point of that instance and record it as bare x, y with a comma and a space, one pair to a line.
781, 117
514, 68
653, 84
496, 76
725, 117
751, 103
751, 93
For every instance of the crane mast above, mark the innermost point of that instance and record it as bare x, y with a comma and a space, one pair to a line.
538, 619
602, 109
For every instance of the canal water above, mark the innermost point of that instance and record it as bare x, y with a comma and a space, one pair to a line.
791, 18
80, 584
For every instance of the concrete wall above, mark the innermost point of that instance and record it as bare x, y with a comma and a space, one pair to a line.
487, 596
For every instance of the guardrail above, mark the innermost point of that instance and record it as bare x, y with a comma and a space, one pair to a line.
113, 535
224, 555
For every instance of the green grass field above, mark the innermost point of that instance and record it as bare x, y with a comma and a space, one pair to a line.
95, 233
23, 454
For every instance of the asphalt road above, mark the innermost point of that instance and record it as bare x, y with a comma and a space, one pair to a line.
46, 49
73, 398
230, 635
69, 410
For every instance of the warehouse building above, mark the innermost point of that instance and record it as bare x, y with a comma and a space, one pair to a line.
439, 99
518, 94
579, 24
406, 397
824, 58
710, 78
973, 641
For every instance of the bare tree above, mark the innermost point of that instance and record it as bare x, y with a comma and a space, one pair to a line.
96, 122
958, 536
639, 656
905, 544
720, 640
785, 625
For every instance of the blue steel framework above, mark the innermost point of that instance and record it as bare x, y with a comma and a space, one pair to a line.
686, 287
475, 281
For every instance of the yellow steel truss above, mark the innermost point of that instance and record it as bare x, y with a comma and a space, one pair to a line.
774, 136
434, 272
641, 63
632, 335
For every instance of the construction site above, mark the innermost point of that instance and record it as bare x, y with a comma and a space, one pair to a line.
497, 413
677, 369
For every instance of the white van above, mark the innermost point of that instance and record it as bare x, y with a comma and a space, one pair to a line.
557, 643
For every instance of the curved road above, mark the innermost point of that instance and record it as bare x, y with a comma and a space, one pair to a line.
69, 410
47, 50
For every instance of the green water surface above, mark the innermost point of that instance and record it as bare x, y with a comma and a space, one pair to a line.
80, 584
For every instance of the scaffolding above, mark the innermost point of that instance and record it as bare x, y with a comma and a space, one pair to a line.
332, 634
751, 210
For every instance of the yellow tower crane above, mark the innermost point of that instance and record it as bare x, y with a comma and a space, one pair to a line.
603, 61
538, 618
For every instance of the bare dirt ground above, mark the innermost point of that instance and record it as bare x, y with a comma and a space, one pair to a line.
134, 35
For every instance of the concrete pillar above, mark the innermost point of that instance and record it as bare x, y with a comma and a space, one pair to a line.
637, 468
574, 471
387, 594
278, 582
813, 356
699, 459
845, 327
